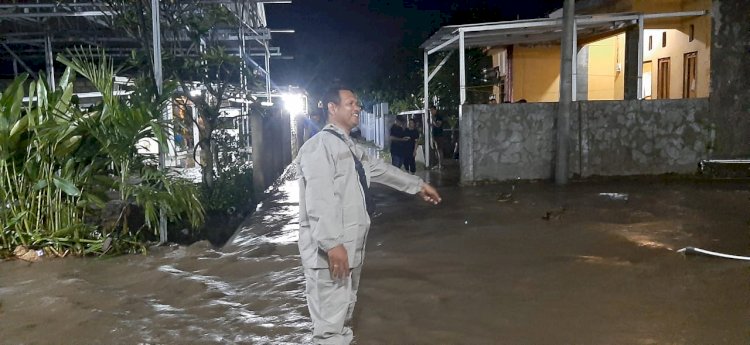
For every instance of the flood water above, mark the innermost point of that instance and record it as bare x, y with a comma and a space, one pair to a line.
591, 263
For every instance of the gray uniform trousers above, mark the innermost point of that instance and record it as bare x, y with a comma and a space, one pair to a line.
331, 304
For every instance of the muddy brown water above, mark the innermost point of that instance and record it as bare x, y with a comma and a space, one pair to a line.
546, 265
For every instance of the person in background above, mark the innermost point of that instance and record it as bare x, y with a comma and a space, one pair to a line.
313, 123
438, 140
335, 207
398, 140
410, 147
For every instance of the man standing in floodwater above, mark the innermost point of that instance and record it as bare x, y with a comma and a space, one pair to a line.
335, 210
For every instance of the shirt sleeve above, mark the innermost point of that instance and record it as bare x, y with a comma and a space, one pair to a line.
387, 174
317, 167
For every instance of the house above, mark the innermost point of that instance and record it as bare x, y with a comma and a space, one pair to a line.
676, 56
657, 87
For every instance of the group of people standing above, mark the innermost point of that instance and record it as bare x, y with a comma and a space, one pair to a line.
404, 136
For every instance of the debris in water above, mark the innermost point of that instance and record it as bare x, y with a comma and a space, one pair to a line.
554, 214
615, 196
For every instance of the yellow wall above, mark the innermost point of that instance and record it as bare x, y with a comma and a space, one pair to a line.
677, 43
606, 67
536, 73
677, 46
535, 70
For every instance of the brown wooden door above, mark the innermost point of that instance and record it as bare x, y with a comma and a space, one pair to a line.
662, 83
689, 76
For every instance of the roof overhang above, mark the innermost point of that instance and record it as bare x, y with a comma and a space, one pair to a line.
534, 31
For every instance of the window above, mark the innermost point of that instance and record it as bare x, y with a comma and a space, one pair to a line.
650, 42
662, 83
689, 76
691, 33
664, 39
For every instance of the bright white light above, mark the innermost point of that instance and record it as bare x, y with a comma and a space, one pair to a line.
195, 92
266, 104
293, 103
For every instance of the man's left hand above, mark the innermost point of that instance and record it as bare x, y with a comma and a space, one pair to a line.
430, 194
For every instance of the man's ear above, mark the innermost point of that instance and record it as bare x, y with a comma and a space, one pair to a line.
331, 107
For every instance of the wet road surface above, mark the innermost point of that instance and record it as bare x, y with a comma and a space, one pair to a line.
502, 264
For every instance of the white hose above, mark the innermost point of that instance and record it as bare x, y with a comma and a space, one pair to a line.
691, 250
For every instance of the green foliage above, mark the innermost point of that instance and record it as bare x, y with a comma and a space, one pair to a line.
57, 163
198, 63
233, 189
403, 87
234, 184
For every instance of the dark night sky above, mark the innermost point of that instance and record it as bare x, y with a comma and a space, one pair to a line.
354, 40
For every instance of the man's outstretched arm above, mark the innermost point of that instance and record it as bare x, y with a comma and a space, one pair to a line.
387, 174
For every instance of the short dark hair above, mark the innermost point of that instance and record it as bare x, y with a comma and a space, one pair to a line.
333, 95
432, 106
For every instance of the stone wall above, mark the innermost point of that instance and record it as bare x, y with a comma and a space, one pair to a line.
505, 141
508, 141
641, 137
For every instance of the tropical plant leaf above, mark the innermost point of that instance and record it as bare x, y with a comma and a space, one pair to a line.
19, 127
66, 186
41, 184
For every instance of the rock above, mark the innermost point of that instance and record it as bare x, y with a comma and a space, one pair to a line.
28, 255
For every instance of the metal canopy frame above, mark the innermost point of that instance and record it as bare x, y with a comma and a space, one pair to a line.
530, 31
31, 33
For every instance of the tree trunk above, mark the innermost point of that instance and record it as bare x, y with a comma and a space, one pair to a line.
207, 157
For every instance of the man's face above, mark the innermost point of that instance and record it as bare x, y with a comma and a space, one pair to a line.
433, 111
412, 125
345, 114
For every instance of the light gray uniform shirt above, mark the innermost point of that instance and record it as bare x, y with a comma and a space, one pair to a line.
332, 202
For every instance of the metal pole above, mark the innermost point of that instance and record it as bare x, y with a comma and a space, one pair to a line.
639, 92
461, 73
16, 58
574, 62
426, 118
49, 61
268, 72
566, 90
244, 119
156, 28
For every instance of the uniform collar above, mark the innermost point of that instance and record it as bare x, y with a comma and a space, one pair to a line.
337, 130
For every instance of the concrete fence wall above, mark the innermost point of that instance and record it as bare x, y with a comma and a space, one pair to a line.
508, 141
375, 126
272, 148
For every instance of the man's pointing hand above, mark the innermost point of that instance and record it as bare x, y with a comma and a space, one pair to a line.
430, 194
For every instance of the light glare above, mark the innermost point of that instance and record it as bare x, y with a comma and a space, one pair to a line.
294, 103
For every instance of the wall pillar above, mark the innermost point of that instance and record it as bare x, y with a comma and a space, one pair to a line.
730, 104
582, 77
256, 130
634, 61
